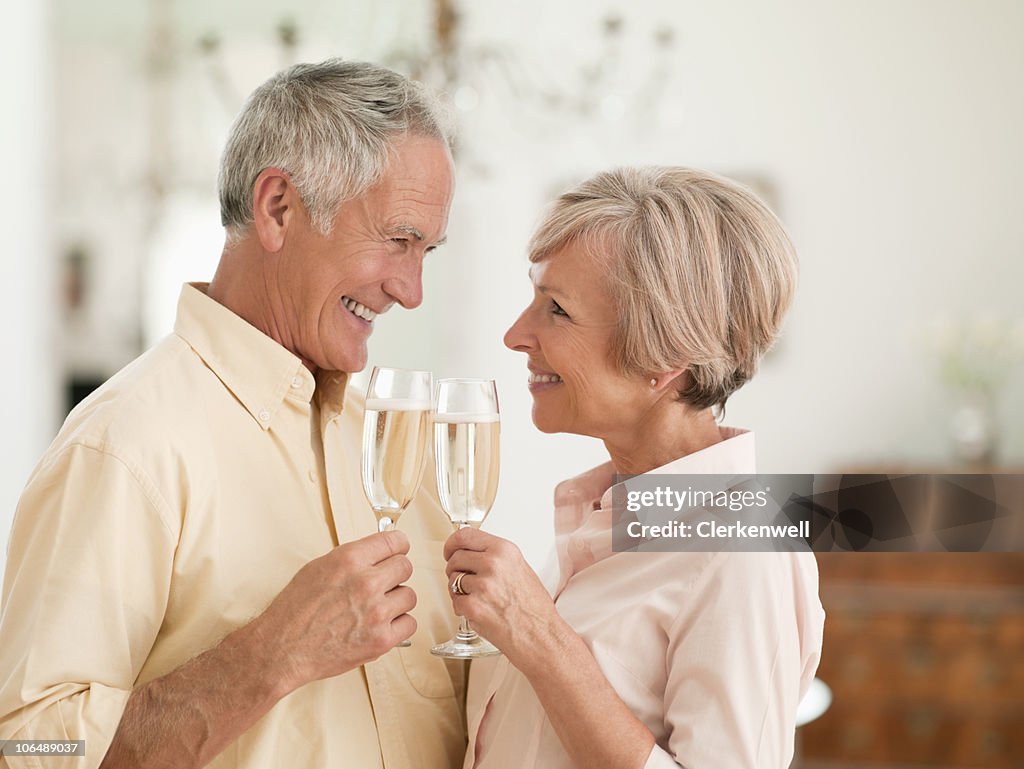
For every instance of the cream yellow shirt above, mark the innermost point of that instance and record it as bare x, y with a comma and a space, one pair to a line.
711, 651
175, 503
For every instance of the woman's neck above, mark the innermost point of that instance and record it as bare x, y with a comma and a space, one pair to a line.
665, 432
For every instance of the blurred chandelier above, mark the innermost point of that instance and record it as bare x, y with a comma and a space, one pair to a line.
598, 88
594, 88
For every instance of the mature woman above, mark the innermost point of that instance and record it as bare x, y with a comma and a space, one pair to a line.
656, 291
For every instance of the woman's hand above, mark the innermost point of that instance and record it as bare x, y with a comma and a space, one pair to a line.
509, 606
505, 601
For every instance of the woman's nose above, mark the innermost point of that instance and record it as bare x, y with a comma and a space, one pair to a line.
518, 337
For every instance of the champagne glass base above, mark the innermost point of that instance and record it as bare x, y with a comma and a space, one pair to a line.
460, 650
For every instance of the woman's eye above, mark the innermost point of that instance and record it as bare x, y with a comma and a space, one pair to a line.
556, 309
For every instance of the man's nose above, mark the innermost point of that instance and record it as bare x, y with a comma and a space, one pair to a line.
406, 286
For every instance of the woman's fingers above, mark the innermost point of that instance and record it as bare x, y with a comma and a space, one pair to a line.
469, 539
468, 561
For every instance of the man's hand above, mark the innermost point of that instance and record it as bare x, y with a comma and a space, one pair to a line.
341, 610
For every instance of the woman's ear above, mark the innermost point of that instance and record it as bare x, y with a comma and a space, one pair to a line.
272, 206
660, 381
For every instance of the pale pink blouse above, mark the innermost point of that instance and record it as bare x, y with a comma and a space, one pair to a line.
712, 651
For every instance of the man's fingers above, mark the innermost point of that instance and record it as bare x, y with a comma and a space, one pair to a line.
403, 627
393, 571
378, 547
400, 600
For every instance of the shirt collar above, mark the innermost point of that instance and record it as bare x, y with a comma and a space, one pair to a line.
576, 496
257, 370
733, 455
583, 505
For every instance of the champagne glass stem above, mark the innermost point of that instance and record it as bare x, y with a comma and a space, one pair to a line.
384, 523
466, 633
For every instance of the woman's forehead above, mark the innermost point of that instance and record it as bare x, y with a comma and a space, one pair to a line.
571, 272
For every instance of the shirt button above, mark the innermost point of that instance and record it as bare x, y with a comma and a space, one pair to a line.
579, 544
264, 416
296, 383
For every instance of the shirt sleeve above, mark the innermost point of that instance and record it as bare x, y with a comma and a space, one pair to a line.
739, 659
84, 593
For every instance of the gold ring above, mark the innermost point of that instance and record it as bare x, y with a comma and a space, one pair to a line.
457, 588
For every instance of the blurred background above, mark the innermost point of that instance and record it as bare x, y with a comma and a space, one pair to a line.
885, 133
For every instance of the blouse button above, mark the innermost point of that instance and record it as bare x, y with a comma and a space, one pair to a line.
264, 416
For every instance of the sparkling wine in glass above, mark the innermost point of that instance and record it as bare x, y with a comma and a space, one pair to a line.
396, 429
467, 454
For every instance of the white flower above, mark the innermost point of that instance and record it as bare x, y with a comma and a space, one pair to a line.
1016, 338
941, 334
986, 332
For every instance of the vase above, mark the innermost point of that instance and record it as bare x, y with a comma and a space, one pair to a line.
973, 430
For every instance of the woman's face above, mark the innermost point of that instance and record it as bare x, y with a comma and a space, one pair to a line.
566, 333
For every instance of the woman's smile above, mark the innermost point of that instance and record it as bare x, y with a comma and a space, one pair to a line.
541, 381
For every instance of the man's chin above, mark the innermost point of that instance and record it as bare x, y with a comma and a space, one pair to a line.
346, 363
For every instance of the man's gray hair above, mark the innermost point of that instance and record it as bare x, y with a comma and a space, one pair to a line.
330, 126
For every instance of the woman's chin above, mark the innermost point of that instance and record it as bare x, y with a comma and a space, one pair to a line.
545, 422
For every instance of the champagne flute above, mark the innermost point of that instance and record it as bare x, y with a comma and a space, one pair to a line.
466, 451
396, 424
395, 434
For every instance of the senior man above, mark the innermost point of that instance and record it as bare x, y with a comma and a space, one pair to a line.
193, 575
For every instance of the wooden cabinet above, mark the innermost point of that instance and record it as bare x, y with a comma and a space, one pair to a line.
925, 657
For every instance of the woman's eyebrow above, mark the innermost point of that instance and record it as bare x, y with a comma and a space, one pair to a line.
546, 289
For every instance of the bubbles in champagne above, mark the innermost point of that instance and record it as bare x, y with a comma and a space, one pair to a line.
394, 452
467, 449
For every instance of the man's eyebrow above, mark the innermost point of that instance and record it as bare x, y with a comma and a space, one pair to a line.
408, 229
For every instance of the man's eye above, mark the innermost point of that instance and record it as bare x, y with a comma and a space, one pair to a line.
400, 241
556, 309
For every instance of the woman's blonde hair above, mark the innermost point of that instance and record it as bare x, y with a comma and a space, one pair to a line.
701, 271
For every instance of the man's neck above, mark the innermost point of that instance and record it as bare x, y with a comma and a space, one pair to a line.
246, 285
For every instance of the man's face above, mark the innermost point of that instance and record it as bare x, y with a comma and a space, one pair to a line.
332, 287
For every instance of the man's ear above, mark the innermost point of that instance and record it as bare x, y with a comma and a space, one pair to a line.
273, 205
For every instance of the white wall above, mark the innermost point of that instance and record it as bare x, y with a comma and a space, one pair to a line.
889, 130
28, 292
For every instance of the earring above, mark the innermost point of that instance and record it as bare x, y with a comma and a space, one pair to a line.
654, 383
